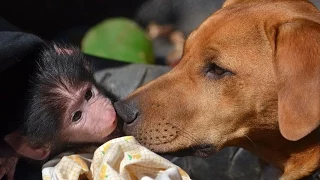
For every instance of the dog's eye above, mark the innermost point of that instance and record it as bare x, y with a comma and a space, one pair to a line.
213, 71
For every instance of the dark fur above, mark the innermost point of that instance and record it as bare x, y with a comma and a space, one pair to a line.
45, 110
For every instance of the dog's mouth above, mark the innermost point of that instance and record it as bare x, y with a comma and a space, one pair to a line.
163, 147
204, 150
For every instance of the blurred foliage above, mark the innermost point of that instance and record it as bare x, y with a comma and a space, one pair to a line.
120, 39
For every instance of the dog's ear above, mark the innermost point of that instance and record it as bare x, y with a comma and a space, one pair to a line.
233, 2
297, 64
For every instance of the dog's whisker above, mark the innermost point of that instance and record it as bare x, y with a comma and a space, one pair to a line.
188, 139
187, 134
193, 139
254, 145
179, 143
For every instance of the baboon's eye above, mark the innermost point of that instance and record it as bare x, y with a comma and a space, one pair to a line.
76, 116
88, 95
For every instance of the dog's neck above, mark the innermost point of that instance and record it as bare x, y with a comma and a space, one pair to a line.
296, 159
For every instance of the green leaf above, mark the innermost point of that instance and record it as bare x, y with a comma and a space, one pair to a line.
120, 39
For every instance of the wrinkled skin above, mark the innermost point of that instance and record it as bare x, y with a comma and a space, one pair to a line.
98, 117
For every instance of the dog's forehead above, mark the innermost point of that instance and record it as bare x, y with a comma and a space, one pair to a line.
228, 37
249, 17
225, 28
241, 32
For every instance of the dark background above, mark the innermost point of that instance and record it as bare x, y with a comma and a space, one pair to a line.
47, 18
68, 20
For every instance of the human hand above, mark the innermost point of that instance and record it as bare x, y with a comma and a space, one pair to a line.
8, 161
8, 167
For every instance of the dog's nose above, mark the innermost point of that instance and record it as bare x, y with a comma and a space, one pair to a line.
128, 112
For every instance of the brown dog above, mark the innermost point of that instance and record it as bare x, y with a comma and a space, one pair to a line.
249, 77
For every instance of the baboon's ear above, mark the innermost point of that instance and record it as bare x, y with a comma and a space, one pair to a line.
297, 67
63, 50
